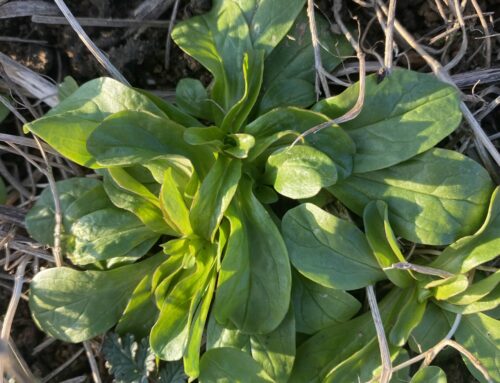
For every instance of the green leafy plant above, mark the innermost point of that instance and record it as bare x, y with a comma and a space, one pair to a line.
239, 290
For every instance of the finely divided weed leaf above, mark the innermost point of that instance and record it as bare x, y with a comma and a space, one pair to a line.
129, 361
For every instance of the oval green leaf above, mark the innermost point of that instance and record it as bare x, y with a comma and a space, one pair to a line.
405, 114
253, 291
434, 198
329, 250
300, 171
74, 306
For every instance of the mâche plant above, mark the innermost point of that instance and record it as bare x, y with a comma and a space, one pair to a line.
206, 227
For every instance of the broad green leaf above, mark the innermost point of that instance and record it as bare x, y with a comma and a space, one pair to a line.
290, 92
317, 307
40, 220
230, 365
300, 171
218, 40
362, 366
181, 254
253, 290
66, 88
328, 348
432, 328
140, 314
219, 336
67, 126
480, 334
443, 289
170, 333
148, 212
430, 374
402, 375
329, 250
477, 290
481, 247
289, 74
266, 194
434, 198
109, 233
253, 67
405, 114
275, 351
485, 304
129, 138
268, 20
279, 123
125, 179
182, 169
173, 113
199, 315
409, 317
214, 196
238, 145
173, 205
383, 242
210, 135
191, 96
74, 306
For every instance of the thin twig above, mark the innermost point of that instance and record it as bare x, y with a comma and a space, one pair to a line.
62, 366
317, 49
47, 342
98, 54
389, 36
356, 109
12, 308
92, 362
10, 362
487, 35
443, 75
168, 42
455, 7
420, 269
386, 374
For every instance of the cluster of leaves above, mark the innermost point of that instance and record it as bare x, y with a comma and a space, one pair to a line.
132, 361
240, 291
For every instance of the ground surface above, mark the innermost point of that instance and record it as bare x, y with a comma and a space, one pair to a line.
140, 55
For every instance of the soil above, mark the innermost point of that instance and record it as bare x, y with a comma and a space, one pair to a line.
140, 55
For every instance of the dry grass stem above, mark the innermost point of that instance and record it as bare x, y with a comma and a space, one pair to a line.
26, 8
356, 109
11, 312
386, 374
97, 22
63, 366
92, 362
443, 75
320, 72
389, 36
34, 84
14, 367
98, 54
420, 269
168, 42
